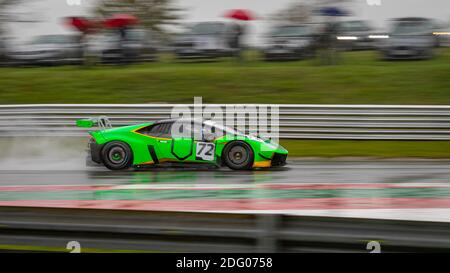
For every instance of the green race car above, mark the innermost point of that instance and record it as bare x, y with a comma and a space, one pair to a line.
179, 141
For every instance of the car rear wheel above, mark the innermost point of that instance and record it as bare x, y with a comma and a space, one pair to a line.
238, 155
117, 155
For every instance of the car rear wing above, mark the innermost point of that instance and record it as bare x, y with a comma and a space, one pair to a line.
102, 123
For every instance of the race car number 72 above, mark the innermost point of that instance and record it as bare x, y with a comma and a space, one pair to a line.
205, 150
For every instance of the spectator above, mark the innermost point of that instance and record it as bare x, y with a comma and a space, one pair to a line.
124, 58
237, 32
327, 44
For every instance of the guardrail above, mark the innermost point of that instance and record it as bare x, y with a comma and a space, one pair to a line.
387, 122
52, 228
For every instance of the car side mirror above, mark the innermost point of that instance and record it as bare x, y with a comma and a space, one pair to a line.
209, 137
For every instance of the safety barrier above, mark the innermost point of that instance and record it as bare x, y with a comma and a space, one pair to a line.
97, 229
387, 122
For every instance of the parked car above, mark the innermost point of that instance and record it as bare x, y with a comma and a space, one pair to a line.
355, 35
204, 40
139, 45
48, 50
3, 57
410, 38
442, 33
291, 42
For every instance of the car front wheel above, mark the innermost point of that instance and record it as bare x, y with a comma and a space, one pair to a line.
238, 155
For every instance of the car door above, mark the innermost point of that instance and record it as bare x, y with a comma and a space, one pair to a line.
171, 148
157, 141
164, 142
163, 146
182, 147
190, 144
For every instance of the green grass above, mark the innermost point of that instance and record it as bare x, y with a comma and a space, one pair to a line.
360, 79
378, 149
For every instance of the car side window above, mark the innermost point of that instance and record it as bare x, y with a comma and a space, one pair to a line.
187, 130
165, 131
152, 130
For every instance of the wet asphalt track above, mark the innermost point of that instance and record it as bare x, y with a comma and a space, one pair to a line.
302, 171
408, 190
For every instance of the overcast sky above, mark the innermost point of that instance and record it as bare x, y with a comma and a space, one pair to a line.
51, 12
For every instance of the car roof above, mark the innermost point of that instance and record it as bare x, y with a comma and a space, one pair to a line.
209, 22
420, 19
293, 25
180, 120
352, 21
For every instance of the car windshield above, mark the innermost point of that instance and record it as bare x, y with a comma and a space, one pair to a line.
290, 31
353, 26
220, 128
108, 37
53, 39
207, 28
410, 28
136, 35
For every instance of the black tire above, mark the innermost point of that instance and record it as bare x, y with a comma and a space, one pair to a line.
117, 155
238, 155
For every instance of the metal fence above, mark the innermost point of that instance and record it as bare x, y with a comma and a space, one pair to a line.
387, 122
53, 228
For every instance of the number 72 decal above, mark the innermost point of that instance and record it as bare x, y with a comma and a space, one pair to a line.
205, 151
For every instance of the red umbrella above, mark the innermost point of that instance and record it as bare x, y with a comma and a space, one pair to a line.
121, 20
80, 23
240, 14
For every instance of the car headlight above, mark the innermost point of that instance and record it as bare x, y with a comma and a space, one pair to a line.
347, 38
378, 36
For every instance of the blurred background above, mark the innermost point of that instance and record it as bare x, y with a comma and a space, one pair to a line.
363, 92
69, 32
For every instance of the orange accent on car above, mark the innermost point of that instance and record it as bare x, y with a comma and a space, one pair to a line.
135, 131
262, 164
